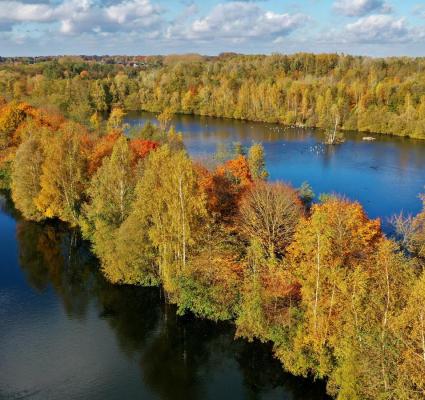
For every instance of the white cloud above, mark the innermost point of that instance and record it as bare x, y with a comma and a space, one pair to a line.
356, 8
379, 28
14, 11
132, 10
142, 26
79, 16
238, 21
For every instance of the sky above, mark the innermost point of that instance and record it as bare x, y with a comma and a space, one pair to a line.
146, 27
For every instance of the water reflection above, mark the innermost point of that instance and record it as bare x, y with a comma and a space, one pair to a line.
155, 354
52, 255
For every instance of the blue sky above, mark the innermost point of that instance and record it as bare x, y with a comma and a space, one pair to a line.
370, 27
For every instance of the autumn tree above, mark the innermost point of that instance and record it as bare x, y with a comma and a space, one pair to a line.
410, 232
102, 148
141, 148
329, 251
417, 237
270, 213
164, 119
251, 320
174, 205
225, 186
210, 284
95, 121
99, 97
365, 335
111, 189
257, 164
119, 228
63, 177
116, 118
379, 295
411, 333
11, 115
128, 254
26, 173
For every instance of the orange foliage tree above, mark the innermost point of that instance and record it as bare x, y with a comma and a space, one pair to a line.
225, 187
101, 149
141, 148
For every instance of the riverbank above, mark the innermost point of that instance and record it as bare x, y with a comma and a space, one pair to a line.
321, 90
419, 135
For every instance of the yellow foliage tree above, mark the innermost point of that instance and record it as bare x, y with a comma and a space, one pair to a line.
63, 178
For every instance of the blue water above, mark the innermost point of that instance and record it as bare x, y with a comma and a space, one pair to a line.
385, 175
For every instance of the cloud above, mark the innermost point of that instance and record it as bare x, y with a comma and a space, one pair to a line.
378, 32
357, 8
14, 11
238, 21
379, 29
133, 10
419, 10
83, 16
144, 26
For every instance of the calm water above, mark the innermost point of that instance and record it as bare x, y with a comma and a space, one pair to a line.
65, 333
386, 175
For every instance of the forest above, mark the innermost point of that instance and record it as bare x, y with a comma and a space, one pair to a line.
338, 299
378, 95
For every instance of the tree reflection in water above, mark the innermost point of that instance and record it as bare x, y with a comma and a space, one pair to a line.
179, 357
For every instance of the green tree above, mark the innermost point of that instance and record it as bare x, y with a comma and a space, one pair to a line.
175, 207
111, 190
99, 96
209, 286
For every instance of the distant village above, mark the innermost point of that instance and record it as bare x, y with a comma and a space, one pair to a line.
127, 61
135, 61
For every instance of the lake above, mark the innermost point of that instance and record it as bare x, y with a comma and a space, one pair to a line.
66, 333
385, 175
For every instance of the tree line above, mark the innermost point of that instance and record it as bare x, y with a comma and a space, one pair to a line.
383, 95
337, 298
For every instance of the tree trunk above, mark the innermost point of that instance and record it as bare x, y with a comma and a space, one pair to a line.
384, 327
183, 223
421, 318
316, 300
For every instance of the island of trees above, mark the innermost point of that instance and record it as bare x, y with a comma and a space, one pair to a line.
384, 95
338, 299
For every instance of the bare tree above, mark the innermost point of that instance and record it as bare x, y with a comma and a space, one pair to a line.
270, 213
